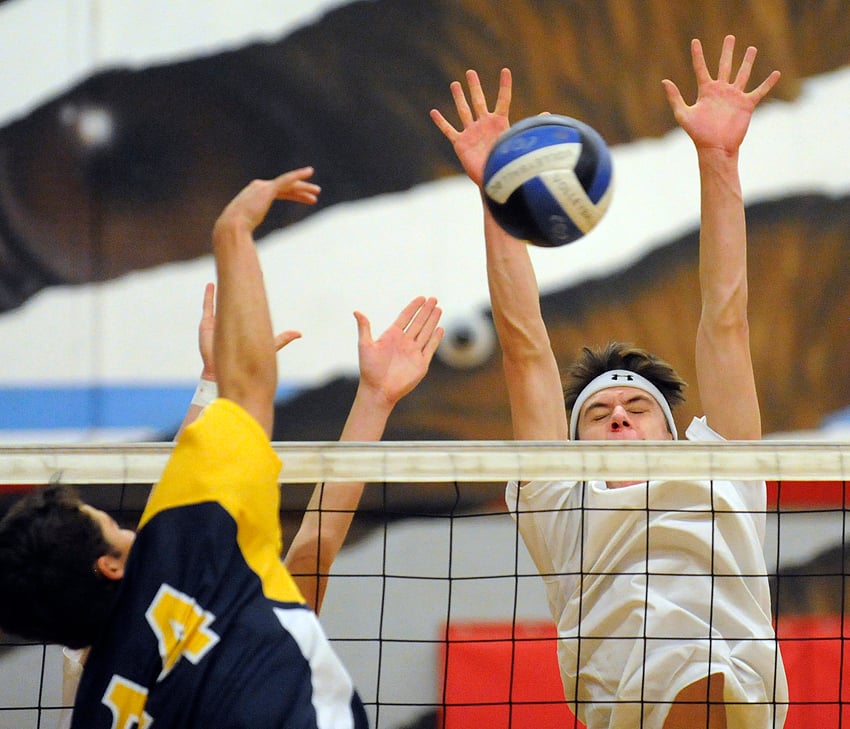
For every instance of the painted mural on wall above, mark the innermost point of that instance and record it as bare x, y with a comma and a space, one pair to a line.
161, 149
122, 172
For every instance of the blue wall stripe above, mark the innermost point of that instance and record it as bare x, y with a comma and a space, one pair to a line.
154, 406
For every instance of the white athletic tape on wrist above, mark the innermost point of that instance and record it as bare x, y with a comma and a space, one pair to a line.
206, 392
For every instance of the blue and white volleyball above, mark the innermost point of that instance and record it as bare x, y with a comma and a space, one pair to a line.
548, 179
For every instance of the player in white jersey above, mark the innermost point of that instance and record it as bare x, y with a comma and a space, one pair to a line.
659, 590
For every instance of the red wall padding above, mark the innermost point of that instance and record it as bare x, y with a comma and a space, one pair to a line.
817, 661
482, 692
801, 494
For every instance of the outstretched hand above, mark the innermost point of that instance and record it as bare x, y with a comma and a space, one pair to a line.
396, 362
206, 334
721, 114
249, 208
480, 126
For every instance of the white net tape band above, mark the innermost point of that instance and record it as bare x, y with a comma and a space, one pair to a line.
450, 461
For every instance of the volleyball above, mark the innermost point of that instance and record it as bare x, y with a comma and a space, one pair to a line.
548, 180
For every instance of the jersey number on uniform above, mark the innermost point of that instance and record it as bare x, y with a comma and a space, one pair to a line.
126, 701
182, 630
181, 627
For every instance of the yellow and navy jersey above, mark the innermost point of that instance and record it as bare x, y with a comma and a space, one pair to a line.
210, 630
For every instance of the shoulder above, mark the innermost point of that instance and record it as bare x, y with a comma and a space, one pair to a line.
743, 495
538, 491
224, 456
700, 431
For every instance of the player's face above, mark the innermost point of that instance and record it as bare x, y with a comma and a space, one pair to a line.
119, 539
622, 413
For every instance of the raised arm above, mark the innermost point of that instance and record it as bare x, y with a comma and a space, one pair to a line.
390, 367
717, 124
531, 372
246, 366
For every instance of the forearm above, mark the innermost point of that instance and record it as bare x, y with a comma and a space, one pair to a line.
531, 371
514, 294
328, 516
244, 342
723, 238
723, 359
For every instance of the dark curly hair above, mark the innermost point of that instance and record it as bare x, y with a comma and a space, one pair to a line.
618, 356
50, 590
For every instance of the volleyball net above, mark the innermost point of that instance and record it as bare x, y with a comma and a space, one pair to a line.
435, 606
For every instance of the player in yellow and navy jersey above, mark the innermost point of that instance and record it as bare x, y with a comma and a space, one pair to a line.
195, 621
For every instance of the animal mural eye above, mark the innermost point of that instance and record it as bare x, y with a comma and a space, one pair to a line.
469, 341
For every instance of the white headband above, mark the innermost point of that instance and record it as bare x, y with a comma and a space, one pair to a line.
620, 378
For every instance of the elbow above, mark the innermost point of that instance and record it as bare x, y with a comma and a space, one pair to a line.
728, 321
528, 355
724, 333
521, 340
726, 311
253, 383
311, 553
